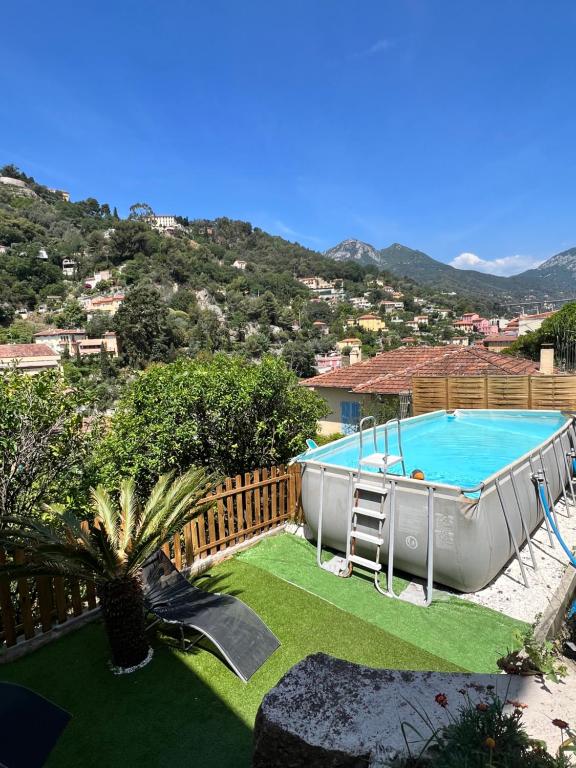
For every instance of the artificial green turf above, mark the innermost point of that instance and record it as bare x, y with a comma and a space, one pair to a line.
189, 708
468, 635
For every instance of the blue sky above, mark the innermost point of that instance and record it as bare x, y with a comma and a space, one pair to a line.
447, 125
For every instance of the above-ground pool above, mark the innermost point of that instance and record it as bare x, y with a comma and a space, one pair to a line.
480, 464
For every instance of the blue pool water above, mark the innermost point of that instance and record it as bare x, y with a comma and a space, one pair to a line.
461, 449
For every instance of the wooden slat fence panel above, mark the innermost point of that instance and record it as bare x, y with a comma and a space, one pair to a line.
537, 392
553, 392
508, 391
467, 392
429, 394
243, 507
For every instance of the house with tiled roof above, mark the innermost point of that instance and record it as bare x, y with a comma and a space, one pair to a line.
28, 358
352, 390
497, 342
60, 339
108, 304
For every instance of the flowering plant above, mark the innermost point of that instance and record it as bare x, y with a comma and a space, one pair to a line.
486, 732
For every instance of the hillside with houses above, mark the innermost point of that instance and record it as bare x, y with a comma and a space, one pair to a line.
103, 296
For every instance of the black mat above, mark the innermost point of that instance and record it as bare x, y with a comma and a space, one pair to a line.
30, 726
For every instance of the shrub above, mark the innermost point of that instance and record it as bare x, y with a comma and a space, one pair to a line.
223, 413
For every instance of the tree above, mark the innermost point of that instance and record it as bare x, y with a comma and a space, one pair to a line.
223, 413
99, 323
72, 315
131, 239
300, 357
6, 315
142, 327
140, 212
106, 367
558, 329
112, 552
42, 446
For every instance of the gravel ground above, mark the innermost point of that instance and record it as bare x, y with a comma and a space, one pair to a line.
507, 594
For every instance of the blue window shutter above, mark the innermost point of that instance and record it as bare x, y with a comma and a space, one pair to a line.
349, 416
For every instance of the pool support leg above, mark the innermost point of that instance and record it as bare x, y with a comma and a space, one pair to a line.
524, 524
511, 534
561, 478
539, 503
320, 515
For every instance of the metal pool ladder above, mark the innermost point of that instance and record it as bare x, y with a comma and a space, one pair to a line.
382, 461
380, 487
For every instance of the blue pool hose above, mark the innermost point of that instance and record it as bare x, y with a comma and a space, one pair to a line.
553, 525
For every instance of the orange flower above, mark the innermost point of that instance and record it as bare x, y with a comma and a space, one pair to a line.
489, 742
482, 707
516, 703
441, 699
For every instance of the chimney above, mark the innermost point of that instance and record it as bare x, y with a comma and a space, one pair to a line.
547, 359
355, 355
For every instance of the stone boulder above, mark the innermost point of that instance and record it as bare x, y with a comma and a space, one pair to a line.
330, 713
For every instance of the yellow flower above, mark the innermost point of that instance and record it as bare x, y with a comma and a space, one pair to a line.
489, 742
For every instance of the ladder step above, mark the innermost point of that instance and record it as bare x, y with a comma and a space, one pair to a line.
381, 460
373, 513
370, 564
365, 485
367, 537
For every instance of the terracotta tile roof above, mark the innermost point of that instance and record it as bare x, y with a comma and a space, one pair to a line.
17, 351
396, 360
392, 372
499, 337
59, 331
106, 299
515, 322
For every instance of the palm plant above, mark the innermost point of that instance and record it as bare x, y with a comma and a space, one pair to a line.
111, 550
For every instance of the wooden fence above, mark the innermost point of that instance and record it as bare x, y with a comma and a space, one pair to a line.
532, 392
244, 507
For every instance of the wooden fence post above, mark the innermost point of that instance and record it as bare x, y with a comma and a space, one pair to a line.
6, 607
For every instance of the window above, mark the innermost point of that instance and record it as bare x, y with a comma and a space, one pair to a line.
349, 416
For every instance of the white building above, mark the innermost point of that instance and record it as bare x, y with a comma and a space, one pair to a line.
360, 302
60, 339
97, 277
392, 306
87, 347
325, 290
163, 222
69, 267
28, 358
61, 193
239, 264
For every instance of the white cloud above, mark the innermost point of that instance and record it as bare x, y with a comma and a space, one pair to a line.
505, 266
287, 231
378, 47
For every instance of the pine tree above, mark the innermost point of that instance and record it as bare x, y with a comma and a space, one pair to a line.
142, 327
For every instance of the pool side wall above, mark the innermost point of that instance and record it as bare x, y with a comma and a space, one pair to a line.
472, 542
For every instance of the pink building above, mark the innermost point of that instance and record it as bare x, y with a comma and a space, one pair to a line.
473, 323
326, 363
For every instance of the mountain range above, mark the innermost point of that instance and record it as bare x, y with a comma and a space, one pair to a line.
554, 279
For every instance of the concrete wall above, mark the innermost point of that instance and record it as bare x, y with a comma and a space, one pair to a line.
334, 397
